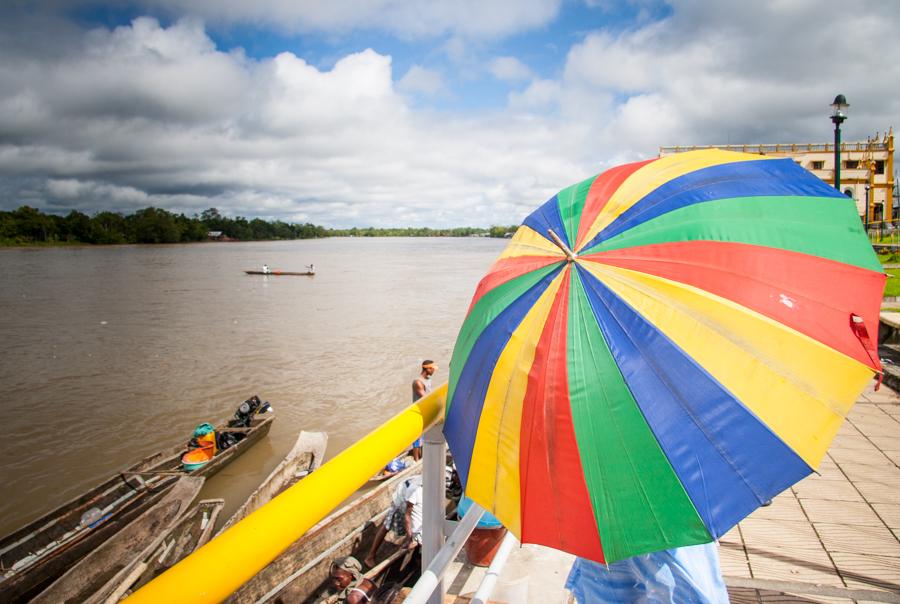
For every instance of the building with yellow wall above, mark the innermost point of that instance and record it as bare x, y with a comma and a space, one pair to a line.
867, 169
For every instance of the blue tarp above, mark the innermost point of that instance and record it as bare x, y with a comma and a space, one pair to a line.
685, 575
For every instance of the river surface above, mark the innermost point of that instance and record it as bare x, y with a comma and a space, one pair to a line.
112, 353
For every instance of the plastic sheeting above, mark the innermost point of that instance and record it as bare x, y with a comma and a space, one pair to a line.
686, 575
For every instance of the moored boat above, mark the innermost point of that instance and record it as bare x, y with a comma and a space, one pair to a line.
187, 534
123, 548
303, 458
300, 572
37, 554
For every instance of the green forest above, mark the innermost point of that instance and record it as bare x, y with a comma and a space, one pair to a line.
28, 226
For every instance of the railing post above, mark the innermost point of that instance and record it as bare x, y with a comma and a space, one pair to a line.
486, 588
431, 576
434, 461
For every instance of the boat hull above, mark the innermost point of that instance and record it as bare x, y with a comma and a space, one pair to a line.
305, 456
282, 273
187, 534
123, 548
301, 571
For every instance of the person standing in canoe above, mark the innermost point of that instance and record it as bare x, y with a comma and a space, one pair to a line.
420, 387
265, 269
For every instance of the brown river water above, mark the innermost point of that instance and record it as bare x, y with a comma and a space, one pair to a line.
112, 353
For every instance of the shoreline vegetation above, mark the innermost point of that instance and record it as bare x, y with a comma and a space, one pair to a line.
28, 226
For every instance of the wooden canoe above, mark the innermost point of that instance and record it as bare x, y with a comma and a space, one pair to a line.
190, 532
123, 548
282, 273
301, 571
37, 554
303, 458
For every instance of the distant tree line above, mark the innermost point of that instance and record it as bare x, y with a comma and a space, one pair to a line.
495, 231
27, 225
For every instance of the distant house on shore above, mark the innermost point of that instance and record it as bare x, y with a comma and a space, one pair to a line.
867, 169
215, 235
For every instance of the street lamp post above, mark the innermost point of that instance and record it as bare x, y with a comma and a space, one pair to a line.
837, 117
867, 211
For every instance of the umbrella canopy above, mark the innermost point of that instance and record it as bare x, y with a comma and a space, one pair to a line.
660, 349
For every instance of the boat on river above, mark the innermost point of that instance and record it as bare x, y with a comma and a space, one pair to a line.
300, 573
37, 554
283, 273
122, 550
306, 455
187, 534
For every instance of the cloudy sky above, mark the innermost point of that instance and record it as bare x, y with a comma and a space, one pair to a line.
410, 113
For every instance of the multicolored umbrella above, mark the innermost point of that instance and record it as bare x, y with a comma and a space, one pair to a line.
661, 349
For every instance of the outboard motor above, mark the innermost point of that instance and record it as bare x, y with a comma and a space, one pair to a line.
247, 410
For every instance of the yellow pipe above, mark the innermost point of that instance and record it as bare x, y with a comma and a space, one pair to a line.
220, 567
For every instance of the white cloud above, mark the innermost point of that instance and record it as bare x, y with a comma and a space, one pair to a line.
420, 80
718, 73
510, 69
151, 115
540, 95
273, 138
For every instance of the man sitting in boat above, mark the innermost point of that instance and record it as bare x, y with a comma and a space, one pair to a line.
404, 518
346, 583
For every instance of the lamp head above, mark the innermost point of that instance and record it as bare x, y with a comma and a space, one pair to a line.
838, 106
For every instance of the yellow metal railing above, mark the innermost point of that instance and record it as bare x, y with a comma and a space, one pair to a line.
217, 569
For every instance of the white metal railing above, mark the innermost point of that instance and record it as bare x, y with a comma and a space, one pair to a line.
437, 554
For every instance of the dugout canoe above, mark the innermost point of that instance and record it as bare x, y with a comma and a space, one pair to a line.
306, 456
122, 549
299, 574
187, 534
283, 273
37, 554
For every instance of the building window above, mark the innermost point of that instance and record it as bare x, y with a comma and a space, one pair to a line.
879, 166
849, 193
817, 165
851, 164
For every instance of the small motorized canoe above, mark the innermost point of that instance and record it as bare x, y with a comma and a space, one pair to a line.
300, 573
283, 273
190, 532
37, 554
306, 456
124, 548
